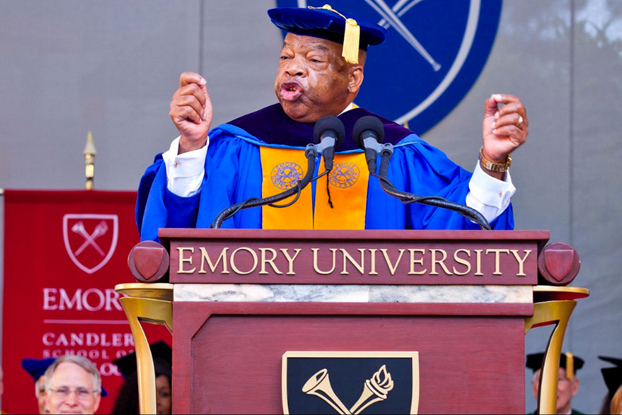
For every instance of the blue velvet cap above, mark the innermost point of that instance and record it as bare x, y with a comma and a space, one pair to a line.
325, 24
37, 367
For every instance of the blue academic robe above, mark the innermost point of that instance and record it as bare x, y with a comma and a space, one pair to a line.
233, 174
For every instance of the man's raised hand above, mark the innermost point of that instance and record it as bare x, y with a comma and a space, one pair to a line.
505, 127
191, 111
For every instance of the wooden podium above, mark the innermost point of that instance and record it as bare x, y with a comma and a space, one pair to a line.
283, 321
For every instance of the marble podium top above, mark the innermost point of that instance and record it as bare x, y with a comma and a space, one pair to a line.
354, 293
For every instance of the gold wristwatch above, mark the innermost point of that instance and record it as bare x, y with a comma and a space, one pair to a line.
492, 166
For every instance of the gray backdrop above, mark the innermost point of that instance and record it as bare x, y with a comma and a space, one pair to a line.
111, 67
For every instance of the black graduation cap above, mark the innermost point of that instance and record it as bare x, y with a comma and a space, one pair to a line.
612, 375
567, 361
37, 367
327, 23
162, 360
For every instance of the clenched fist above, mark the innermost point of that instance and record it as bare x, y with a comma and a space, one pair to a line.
191, 111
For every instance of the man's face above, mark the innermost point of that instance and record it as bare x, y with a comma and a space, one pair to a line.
313, 80
72, 391
41, 397
566, 389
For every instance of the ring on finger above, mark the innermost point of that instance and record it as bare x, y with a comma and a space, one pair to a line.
520, 121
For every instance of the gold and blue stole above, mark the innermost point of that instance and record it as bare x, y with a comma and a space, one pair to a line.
347, 191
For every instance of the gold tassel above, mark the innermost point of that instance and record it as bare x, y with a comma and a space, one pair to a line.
351, 39
569, 366
351, 36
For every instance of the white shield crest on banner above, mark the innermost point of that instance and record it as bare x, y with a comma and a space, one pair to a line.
90, 239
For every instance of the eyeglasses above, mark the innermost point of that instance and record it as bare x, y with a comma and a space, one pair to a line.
560, 379
81, 393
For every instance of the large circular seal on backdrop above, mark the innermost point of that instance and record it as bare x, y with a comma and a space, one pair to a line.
434, 52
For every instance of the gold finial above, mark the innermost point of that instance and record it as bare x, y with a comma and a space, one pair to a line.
89, 160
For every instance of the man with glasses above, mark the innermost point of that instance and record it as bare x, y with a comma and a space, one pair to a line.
73, 385
567, 382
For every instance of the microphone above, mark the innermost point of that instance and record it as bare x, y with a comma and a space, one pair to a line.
328, 135
368, 134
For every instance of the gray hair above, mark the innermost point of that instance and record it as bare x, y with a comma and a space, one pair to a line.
37, 384
83, 362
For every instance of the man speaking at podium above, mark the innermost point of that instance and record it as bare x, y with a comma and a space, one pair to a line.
263, 153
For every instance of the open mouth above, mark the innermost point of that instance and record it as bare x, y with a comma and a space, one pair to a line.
290, 91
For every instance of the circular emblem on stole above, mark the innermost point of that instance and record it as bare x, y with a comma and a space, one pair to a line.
285, 175
434, 52
344, 175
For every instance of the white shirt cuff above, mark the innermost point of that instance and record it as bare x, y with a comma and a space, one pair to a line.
488, 195
184, 172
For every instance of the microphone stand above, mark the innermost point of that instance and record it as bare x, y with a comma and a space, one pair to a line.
310, 154
437, 201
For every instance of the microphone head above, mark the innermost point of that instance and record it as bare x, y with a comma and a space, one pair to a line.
367, 125
327, 124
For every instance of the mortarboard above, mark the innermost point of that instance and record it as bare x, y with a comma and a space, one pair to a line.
567, 361
612, 375
37, 367
324, 22
162, 360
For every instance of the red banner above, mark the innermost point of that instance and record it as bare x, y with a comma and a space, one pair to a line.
64, 252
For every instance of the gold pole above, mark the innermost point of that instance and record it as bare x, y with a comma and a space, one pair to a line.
151, 303
89, 160
556, 311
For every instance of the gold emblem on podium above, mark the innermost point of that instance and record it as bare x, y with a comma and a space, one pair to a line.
360, 379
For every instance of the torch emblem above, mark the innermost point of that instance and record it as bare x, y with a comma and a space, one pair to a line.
322, 394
